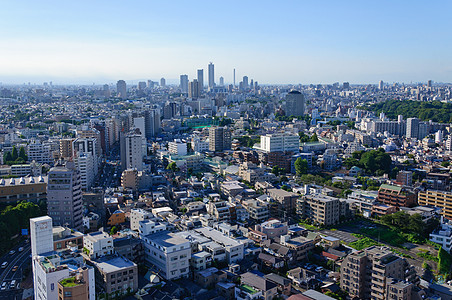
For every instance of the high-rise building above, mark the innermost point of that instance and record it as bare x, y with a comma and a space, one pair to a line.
142, 85
245, 82
41, 235
234, 77
201, 80
380, 84
132, 151
211, 76
64, 196
151, 123
169, 110
368, 273
121, 89
221, 81
150, 84
346, 85
412, 128
162, 82
219, 139
295, 104
280, 142
193, 89
429, 83
184, 84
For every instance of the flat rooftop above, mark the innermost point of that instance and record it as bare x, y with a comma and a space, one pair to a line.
111, 264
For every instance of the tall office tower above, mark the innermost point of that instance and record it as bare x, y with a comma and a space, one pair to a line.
245, 82
211, 76
219, 139
380, 84
193, 89
64, 196
346, 85
234, 77
142, 85
151, 123
132, 151
256, 85
251, 84
41, 235
429, 83
201, 80
162, 82
150, 84
295, 104
121, 89
184, 84
106, 90
221, 81
412, 128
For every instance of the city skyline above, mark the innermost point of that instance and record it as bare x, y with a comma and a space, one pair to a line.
288, 44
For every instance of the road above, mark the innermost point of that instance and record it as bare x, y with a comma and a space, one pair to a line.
23, 261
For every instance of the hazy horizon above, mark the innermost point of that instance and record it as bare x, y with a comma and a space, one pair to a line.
323, 42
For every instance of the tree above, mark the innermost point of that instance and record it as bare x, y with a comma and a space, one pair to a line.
7, 157
445, 164
301, 166
314, 138
173, 167
15, 154
113, 230
22, 154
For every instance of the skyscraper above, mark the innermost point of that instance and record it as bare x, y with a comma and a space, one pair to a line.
245, 82
429, 83
234, 77
121, 89
64, 196
142, 85
162, 82
151, 123
200, 80
211, 76
133, 153
295, 104
412, 128
184, 84
380, 85
221, 81
219, 139
193, 89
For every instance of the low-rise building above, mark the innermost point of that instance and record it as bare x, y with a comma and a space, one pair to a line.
396, 195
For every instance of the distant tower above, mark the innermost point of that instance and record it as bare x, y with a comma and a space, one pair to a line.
201, 80
121, 89
184, 84
142, 85
234, 77
221, 81
245, 82
429, 83
219, 139
211, 75
193, 90
380, 85
295, 103
162, 82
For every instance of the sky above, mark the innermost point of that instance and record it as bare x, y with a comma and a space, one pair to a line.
272, 42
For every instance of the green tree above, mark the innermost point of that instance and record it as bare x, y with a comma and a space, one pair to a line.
314, 138
15, 154
301, 166
22, 154
173, 167
7, 157
113, 230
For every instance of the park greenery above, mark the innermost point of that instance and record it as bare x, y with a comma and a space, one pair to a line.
15, 218
374, 162
301, 166
436, 111
15, 157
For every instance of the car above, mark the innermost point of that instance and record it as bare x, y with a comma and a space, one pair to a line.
15, 268
12, 285
4, 286
4, 264
319, 269
12, 252
20, 249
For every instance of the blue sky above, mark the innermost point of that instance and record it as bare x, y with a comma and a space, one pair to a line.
272, 42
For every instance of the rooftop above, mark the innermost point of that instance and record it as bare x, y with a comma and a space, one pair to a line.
109, 264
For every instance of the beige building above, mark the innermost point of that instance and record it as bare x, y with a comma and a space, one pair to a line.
129, 179
30, 189
66, 148
322, 209
75, 287
374, 273
116, 274
440, 199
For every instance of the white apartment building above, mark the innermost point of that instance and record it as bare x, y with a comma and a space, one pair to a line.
168, 253
199, 145
443, 235
40, 153
137, 215
177, 147
133, 152
234, 249
280, 142
98, 244
147, 227
85, 164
